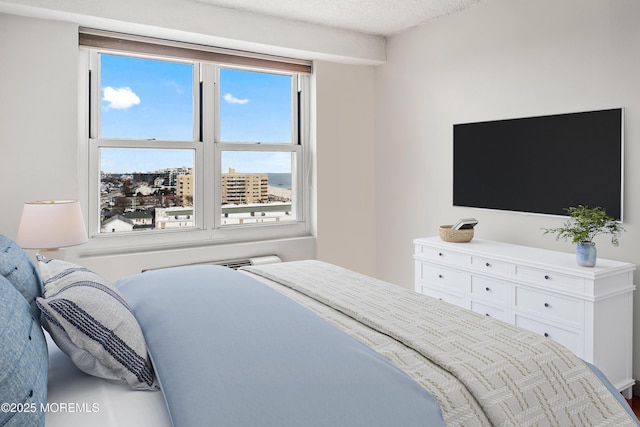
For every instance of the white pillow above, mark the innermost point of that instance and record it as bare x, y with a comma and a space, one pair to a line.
89, 319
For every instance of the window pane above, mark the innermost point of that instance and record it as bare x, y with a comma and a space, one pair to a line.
146, 99
254, 106
256, 187
146, 189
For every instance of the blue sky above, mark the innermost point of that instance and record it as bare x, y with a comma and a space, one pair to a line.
149, 99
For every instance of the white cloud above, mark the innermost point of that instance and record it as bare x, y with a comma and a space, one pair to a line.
233, 100
120, 98
175, 86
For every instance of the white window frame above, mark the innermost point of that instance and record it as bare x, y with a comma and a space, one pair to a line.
208, 174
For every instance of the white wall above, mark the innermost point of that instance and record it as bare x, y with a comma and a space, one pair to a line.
38, 82
39, 121
498, 59
345, 159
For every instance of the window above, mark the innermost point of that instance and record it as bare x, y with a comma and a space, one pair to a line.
258, 149
183, 145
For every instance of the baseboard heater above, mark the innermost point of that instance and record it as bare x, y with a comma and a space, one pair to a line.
233, 263
245, 262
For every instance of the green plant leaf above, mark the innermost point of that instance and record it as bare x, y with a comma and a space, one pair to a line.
585, 223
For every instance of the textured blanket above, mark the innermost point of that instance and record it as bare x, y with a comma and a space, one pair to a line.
510, 377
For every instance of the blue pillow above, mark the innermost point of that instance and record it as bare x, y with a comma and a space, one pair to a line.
23, 361
18, 268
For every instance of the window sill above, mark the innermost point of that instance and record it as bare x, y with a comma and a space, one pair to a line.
127, 243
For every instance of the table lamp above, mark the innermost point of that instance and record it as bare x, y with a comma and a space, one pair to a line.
50, 225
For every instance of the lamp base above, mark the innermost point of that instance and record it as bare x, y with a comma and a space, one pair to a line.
59, 253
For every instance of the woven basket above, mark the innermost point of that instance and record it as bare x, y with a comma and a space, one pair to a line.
455, 236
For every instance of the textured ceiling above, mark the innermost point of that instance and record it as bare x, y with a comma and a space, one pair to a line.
377, 17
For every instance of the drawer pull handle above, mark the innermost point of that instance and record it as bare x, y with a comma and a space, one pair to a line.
546, 277
488, 264
440, 254
546, 304
488, 289
439, 276
546, 334
487, 314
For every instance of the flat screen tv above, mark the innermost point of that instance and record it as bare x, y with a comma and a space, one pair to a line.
541, 165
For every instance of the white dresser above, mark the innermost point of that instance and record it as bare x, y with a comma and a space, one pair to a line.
588, 310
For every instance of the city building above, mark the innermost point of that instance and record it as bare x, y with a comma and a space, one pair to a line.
139, 219
116, 224
171, 175
176, 217
184, 190
244, 188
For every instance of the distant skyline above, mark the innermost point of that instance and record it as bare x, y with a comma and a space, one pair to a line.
128, 160
153, 100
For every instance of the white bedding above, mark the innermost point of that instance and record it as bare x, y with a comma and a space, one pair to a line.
76, 399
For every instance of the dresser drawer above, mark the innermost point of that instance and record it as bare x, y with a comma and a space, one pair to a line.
443, 256
443, 296
573, 340
448, 279
492, 266
491, 290
549, 306
550, 279
488, 310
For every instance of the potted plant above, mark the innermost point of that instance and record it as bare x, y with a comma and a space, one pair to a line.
583, 225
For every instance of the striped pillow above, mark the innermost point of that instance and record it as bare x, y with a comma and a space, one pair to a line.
91, 322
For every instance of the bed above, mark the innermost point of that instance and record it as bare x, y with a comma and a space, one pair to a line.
294, 343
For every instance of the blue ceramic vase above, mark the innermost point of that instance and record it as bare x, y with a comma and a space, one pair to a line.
586, 253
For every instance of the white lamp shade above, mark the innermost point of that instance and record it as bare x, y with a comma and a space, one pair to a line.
51, 224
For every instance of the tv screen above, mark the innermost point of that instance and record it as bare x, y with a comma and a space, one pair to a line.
541, 164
